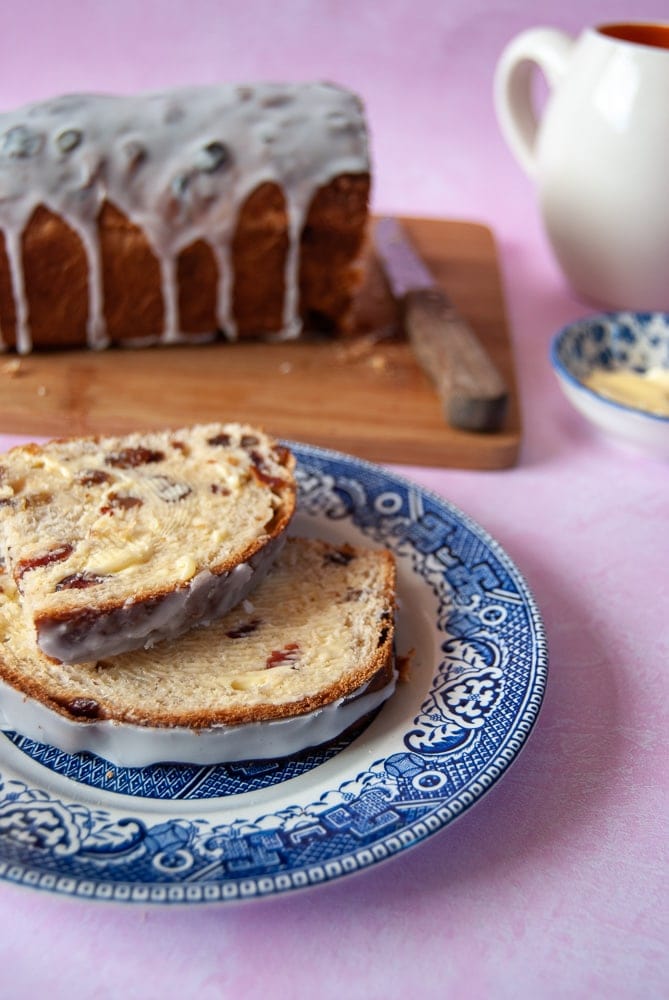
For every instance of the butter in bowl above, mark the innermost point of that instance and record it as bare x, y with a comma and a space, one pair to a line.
614, 368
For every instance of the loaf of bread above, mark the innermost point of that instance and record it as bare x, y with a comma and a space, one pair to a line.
116, 542
307, 656
228, 210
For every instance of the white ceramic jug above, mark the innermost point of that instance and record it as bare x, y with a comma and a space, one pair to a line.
599, 153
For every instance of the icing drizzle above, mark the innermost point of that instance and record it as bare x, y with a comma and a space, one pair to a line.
179, 165
133, 745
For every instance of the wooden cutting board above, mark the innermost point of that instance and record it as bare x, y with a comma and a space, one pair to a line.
365, 396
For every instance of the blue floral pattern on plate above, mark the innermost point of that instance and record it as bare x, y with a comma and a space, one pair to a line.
631, 340
76, 825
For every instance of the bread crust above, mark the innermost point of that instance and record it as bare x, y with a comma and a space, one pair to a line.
348, 679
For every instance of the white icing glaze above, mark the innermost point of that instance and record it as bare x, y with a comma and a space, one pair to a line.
179, 165
139, 746
204, 599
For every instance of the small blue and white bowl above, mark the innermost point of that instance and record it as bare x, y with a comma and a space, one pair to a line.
632, 341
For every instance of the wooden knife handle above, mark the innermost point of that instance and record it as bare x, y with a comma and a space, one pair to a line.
473, 392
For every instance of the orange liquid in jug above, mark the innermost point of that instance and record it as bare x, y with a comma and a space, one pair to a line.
655, 35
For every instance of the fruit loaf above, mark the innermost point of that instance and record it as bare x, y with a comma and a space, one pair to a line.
165, 217
116, 542
308, 655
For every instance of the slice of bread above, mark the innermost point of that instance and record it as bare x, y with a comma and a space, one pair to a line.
309, 655
119, 542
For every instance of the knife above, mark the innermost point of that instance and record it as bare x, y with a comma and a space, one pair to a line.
472, 391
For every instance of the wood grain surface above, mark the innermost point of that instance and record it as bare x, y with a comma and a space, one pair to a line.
366, 395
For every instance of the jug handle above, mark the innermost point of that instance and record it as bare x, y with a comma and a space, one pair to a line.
550, 50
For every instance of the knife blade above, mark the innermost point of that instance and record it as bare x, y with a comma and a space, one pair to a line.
473, 394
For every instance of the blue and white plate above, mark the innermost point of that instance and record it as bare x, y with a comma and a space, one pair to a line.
77, 825
630, 342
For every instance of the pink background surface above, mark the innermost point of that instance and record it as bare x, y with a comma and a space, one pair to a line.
555, 884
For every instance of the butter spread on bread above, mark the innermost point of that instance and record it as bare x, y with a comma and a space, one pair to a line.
119, 542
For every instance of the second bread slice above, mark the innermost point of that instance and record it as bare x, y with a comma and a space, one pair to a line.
310, 654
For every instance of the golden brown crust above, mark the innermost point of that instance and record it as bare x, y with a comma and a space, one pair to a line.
197, 276
56, 278
57, 272
331, 242
375, 671
7, 308
381, 668
133, 305
259, 251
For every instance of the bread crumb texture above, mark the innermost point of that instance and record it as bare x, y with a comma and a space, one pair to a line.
93, 523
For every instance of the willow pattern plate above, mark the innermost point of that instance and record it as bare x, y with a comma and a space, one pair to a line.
174, 834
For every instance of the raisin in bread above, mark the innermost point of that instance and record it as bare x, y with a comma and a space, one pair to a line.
164, 217
115, 542
306, 657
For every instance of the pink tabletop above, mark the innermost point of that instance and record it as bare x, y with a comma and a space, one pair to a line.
555, 884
